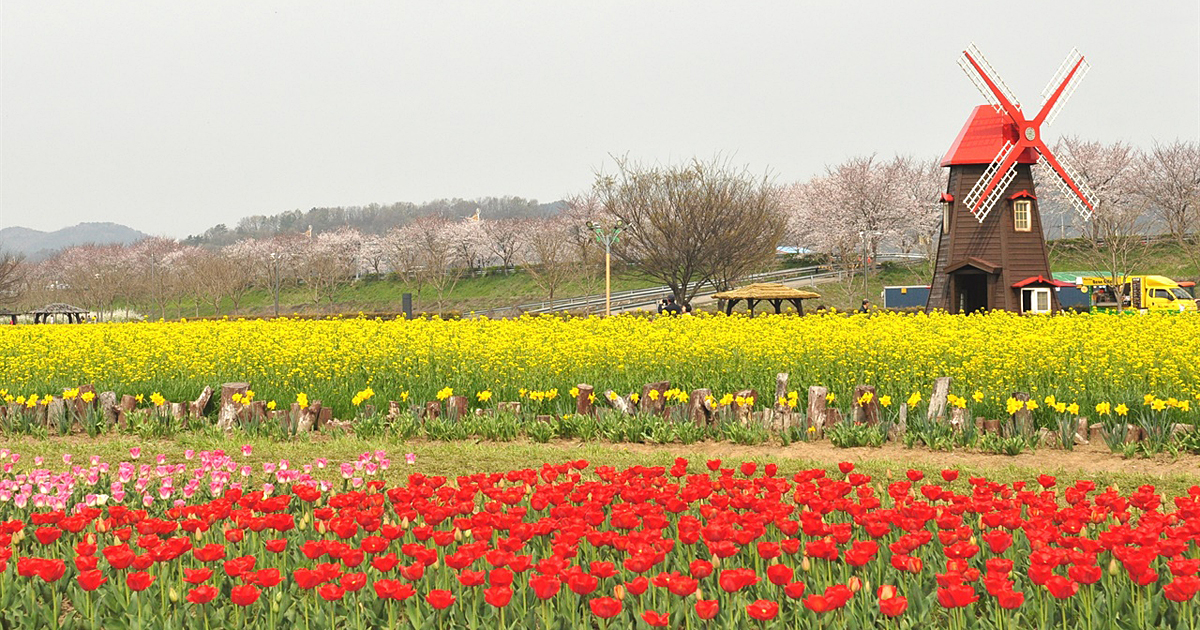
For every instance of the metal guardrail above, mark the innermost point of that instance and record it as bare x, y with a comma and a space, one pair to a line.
641, 297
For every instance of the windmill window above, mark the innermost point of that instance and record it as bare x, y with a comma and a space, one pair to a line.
1035, 300
1022, 221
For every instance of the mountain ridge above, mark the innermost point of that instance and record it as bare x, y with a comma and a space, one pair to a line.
38, 244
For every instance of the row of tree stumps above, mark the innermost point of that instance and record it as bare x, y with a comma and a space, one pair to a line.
700, 408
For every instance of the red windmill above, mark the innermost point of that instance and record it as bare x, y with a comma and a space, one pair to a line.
997, 260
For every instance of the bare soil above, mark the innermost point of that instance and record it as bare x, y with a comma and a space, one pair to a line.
1089, 459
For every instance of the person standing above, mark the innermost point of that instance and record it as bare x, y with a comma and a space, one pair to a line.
866, 307
672, 308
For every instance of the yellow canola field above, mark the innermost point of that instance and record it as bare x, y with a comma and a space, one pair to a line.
1088, 357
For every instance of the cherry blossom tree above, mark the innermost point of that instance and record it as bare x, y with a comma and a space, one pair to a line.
1114, 240
1168, 178
327, 262
505, 239
548, 255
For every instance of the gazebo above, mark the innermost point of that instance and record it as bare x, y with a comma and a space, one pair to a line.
9, 315
772, 292
73, 314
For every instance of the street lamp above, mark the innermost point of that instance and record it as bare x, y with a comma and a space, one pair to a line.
607, 237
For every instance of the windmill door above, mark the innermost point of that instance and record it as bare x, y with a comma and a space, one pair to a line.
970, 291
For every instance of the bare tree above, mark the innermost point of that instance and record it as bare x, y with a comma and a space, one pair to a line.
691, 223
1169, 180
436, 257
152, 262
13, 273
328, 261
548, 256
505, 237
1114, 241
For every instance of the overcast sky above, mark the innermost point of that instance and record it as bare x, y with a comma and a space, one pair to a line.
171, 117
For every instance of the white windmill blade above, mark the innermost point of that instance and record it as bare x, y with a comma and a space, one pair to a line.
1073, 58
1060, 179
973, 197
992, 75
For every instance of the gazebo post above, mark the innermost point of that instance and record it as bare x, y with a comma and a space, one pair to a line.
777, 304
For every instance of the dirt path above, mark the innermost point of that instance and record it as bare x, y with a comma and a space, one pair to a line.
1087, 459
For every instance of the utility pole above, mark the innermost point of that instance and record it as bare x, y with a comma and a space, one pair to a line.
607, 237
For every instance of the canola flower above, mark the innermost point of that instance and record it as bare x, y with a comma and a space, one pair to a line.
1088, 358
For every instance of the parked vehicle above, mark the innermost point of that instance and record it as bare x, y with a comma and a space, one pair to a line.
1140, 293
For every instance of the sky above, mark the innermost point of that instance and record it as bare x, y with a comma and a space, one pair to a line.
171, 117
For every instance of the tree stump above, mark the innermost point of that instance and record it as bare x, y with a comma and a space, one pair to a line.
654, 403
1023, 419
699, 410
958, 418
833, 417
393, 412
200, 405
1133, 433
1096, 431
307, 419
433, 409
544, 418
1081, 431
179, 412
868, 413
81, 407
325, 416
584, 405
456, 408
229, 409
56, 413
901, 426
937, 400
817, 407
980, 425
108, 407
619, 402
512, 407
128, 404
781, 388
991, 425
742, 412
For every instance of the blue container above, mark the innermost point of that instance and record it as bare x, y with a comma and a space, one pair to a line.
914, 296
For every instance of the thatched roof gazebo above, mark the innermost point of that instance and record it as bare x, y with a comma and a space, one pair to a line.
772, 292
45, 314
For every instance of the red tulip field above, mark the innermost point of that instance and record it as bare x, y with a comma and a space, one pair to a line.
212, 542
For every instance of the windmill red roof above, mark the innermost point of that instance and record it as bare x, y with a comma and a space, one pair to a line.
982, 138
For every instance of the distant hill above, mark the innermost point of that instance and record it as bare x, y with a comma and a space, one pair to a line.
37, 245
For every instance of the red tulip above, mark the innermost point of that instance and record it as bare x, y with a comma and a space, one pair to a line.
1085, 574
949, 475
331, 592
713, 464
1183, 588
780, 574
90, 580
47, 535
707, 608
656, 620
762, 609
638, 585
197, 576
202, 594
956, 596
243, 595
893, 606
846, 467
276, 545
605, 607
139, 580
700, 569
440, 599
795, 590
545, 586
1062, 587
353, 581
914, 475
1010, 600
498, 596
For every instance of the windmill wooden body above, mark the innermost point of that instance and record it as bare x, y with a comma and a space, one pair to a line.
991, 252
